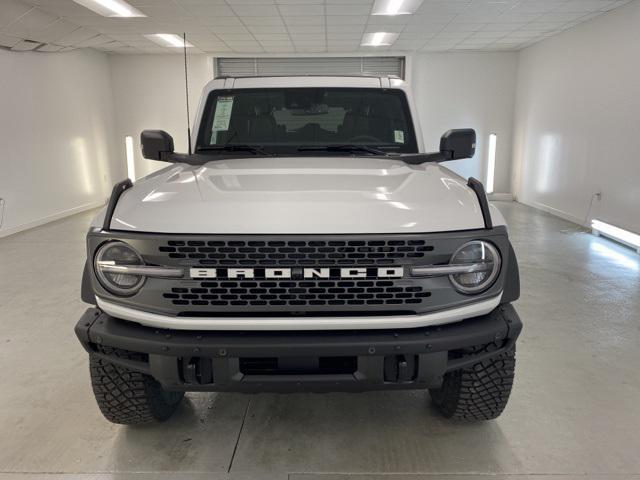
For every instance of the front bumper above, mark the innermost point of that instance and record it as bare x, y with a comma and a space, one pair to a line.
346, 360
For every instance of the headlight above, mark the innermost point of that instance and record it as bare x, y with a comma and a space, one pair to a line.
484, 265
109, 262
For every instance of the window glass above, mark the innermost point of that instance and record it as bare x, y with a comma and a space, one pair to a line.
284, 119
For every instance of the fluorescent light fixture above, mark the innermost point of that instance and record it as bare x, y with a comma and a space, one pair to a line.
131, 165
379, 39
626, 237
168, 40
111, 8
491, 161
396, 7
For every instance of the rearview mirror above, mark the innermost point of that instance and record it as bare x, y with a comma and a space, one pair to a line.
156, 144
457, 144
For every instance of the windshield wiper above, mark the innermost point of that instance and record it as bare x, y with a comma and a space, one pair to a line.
235, 148
343, 148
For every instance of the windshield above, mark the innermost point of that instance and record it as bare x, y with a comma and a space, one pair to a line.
290, 120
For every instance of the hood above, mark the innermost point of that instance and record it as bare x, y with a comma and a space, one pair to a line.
317, 195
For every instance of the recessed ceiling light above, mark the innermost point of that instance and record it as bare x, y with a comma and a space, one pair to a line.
168, 40
111, 8
396, 7
378, 39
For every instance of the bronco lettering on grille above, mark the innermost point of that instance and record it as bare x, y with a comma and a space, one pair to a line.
275, 273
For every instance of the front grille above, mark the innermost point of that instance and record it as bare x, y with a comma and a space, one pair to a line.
325, 292
293, 293
296, 252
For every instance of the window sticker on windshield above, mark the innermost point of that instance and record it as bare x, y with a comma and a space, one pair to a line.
398, 135
223, 113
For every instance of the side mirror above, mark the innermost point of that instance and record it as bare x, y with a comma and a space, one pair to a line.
457, 144
156, 144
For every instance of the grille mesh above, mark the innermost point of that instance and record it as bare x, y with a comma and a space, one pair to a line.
297, 293
295, 252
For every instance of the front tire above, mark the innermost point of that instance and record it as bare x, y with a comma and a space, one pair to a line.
480, 391
129, 397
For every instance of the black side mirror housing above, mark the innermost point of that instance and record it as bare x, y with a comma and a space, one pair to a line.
458, 144
156, 144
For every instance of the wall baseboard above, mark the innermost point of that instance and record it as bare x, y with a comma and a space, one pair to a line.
555, 212
501, 197
50, 218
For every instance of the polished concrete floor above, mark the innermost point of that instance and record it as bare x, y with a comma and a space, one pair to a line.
574, 412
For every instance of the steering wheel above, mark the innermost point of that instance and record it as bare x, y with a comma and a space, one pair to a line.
363, 139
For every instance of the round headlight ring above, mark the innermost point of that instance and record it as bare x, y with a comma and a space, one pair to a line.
127, 256
489, 253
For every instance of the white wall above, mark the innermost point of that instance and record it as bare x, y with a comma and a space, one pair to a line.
56, 133
476, 90
452, 91
149, 94
578, 121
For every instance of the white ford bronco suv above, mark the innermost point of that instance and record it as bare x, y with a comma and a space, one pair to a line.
307, 244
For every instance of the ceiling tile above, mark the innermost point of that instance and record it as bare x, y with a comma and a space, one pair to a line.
344, 36
31, 22
164, 12
309, 37
217, 29
501, 27
584, 6
274, 37
331, 29
263, 20
309, 20
558, 17
267, 29
305, 28
8, 40
247, 49
50, 48
207, 10
464, 27
346, 20
236, 37
77, 36
431, 18
425, 27
25, 46
489, 35
97, 40
256, 10
452, 35
220, 21
250, 2
53, 32
301, 10
11, 10
348, 9
517, 17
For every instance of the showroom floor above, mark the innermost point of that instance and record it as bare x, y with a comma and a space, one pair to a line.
574, 412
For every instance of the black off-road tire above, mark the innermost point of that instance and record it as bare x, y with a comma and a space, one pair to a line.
478, 392
129, 397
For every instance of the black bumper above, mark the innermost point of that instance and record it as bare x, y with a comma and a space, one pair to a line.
352, 360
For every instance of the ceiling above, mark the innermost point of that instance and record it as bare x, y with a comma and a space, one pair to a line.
292, 26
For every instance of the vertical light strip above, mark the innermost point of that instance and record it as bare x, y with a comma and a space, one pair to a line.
131, 166
491, 161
